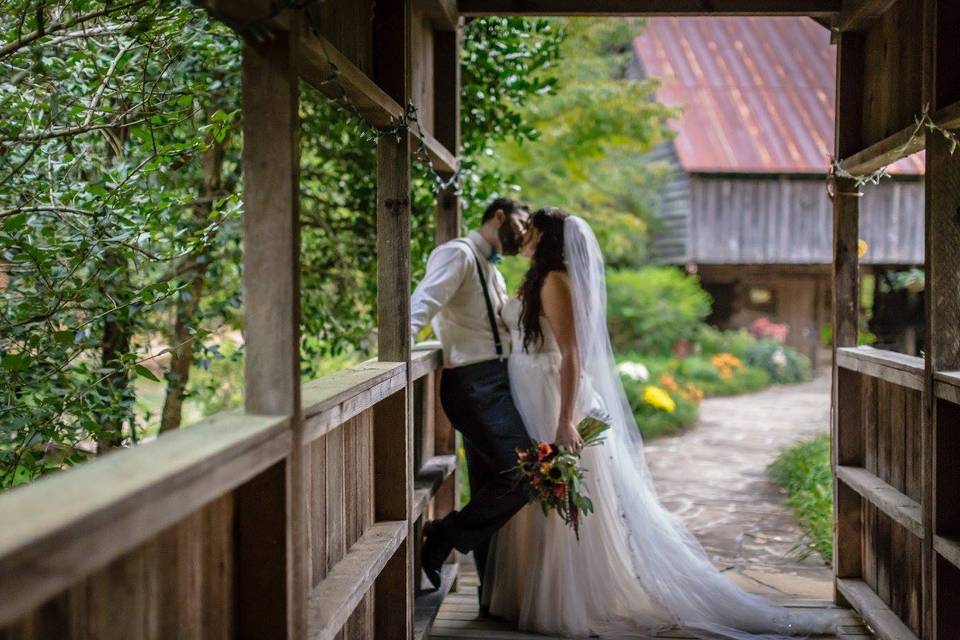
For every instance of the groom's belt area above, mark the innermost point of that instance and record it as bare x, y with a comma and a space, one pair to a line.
479, 368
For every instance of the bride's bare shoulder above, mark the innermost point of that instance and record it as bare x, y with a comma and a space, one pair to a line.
556, 288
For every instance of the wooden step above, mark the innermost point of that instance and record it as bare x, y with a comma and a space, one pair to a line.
428, 603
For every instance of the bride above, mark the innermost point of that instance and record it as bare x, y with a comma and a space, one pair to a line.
636, 569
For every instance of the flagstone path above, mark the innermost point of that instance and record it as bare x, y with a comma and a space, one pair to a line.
715, 478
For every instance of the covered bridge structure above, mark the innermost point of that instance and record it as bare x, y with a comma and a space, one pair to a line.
746, 206
298, 517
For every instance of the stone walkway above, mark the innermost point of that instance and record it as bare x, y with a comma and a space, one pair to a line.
715, 478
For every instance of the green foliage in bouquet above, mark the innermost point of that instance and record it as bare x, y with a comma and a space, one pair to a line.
553, 476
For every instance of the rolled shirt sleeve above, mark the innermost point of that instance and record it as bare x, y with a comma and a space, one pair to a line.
446, 268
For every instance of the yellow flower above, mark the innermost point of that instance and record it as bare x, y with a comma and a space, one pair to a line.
659, 399
862, 248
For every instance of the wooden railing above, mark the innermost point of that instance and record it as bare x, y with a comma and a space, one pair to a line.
157, 541
881, 453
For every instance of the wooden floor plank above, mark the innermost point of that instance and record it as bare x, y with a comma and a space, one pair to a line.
458, 618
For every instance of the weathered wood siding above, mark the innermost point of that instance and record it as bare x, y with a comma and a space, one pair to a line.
671, 231
788, 220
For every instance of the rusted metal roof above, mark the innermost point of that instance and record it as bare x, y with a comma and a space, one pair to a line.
757, 93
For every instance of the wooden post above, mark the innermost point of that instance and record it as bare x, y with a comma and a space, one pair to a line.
446, 117
942, 351
393, 418
272, 578
846, 273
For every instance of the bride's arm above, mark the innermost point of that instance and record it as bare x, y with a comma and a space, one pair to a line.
558, 309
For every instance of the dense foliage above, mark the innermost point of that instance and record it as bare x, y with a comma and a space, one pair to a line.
804, 472
595, 132
651, 309
120, 249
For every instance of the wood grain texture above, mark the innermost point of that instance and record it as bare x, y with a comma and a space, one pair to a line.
891, 502
271, 586
336, 597
874, 611
138, 493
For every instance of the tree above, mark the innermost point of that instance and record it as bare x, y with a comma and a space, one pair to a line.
594, 130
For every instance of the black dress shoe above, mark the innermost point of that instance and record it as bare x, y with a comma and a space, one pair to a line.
434, 551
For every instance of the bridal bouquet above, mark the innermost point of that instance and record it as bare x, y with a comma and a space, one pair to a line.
554, 477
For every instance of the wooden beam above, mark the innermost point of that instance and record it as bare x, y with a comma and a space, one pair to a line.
897, 368
393, 418
126, 498
333, 74
875, 612
434, 472
477, 8
900, 507
332, 400
338, 594
856, 15
442, 13
272, 543
903, 143
942, 350
948, 548
446, 117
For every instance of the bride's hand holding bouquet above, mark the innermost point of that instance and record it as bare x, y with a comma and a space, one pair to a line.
552, 472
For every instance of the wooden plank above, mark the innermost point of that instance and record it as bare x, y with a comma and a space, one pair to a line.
894, 147
442, 13
942, 334
334, 75
428, 603
893, 503
878, 615
949, 549
336, 597
895, 368
126, 498
849, 533
947, 385
332, 400
393, 417
273, 576
429, 480
423, 362
816, 8
856, 14
325, 68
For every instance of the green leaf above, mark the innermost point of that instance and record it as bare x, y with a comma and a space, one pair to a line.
143, 372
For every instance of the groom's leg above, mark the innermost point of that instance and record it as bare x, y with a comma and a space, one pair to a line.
477, 400
479, 471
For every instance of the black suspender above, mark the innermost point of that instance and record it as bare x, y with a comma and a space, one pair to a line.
486, 299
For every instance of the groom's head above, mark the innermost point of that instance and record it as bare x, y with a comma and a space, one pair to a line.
507, 218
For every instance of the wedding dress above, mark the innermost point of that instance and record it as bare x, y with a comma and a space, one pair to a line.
636, 570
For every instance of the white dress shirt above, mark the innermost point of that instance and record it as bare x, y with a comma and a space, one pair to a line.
450, 296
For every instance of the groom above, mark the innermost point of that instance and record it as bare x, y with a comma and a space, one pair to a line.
463, 292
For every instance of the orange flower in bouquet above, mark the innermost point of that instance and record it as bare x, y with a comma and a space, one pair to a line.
553, 476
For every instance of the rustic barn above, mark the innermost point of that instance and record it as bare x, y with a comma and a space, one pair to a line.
746, 206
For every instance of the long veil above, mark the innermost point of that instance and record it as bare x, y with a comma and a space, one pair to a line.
669, 562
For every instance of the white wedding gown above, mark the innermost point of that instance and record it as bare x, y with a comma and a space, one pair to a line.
636, 569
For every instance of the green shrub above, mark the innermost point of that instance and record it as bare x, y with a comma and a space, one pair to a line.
712, 341
702, 372
783, 364
652, 308
804, 472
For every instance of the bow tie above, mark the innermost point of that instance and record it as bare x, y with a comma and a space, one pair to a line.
495, 258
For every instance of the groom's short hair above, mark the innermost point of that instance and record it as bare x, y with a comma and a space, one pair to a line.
508, 205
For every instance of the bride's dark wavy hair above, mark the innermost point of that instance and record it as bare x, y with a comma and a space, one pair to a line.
547, 257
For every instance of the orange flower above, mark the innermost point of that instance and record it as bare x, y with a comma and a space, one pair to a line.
544, 449
668, 382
